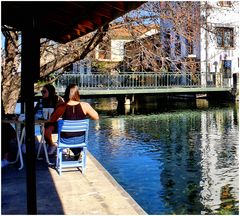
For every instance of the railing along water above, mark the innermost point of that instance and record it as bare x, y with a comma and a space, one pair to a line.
138, 80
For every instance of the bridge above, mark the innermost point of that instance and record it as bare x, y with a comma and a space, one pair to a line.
99, 84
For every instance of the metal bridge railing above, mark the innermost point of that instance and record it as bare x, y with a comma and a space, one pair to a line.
135, 80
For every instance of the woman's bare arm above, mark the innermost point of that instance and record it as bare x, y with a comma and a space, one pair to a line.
58, 112
88, 110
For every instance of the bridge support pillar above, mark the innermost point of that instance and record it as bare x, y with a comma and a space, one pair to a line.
129, 101
125, 101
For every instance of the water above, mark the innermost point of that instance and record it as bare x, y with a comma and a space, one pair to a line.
180, 161
171, 157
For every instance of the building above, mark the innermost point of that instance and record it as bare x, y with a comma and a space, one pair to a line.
175, 47
198, 37
220, 41
208, 44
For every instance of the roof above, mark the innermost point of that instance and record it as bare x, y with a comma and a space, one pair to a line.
128, 32
63, 21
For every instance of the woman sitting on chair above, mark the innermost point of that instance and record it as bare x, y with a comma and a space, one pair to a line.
73, 109
49, 100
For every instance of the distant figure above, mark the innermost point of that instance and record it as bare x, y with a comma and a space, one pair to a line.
49, 100
73, 109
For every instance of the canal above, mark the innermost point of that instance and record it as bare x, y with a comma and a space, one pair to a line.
172, 157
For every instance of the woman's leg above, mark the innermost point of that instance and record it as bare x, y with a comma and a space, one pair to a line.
48, 135
76, 151
74, 140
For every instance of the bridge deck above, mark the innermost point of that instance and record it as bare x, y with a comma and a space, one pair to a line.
143, 83
176, 90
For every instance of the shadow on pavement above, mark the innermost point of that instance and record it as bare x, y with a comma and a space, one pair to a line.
13, 191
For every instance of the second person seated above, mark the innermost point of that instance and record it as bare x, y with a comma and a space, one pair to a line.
49, 100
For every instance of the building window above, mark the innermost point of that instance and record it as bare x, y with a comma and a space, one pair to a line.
225, 3
167, 43
189, 46
104, 51
227, 65
224, 37
177, 45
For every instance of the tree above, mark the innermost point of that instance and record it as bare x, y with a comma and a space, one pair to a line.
177, 29
163, 34
166, 36
54, 57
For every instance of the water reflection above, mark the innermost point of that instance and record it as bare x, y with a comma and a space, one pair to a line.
177, 162
219, 174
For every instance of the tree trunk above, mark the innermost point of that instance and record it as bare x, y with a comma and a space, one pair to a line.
11, 79
52, 59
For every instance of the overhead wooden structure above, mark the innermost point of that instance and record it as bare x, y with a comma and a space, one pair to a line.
59, 21
65, 20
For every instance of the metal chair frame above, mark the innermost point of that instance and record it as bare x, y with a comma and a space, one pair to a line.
72, 126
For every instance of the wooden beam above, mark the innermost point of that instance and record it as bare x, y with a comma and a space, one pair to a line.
120, 6
87, 24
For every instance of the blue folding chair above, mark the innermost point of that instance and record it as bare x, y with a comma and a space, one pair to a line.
72, 126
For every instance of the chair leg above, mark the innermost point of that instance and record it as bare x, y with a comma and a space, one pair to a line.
43, 145
39, 149
84, 157
59, 161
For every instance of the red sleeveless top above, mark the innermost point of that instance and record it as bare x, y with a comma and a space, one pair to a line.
73, 112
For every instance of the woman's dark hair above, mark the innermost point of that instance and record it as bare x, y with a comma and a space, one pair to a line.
72, 93
51, 90
51, 100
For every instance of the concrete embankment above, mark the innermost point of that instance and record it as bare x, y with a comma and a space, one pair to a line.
94, 193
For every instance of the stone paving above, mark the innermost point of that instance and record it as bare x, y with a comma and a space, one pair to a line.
94, 193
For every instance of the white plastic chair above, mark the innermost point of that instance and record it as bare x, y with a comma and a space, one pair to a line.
72, 126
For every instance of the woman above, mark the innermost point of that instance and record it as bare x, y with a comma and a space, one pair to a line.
49, 97
73, 109
49, 100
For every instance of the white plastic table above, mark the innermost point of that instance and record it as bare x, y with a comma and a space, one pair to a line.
20, 133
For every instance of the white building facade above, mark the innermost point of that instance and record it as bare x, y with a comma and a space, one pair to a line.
217, 48
116, 51
220, 44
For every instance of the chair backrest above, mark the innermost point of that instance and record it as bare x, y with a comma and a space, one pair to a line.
73, 126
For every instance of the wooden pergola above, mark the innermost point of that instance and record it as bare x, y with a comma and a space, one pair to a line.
62, 22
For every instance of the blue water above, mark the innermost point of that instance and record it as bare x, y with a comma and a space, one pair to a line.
176, 162
176, 159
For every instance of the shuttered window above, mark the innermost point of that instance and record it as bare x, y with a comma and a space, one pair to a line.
224, 37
